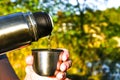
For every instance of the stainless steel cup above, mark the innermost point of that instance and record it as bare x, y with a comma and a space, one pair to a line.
45, 61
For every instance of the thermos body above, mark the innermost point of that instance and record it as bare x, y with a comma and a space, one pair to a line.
20, 29
14, 32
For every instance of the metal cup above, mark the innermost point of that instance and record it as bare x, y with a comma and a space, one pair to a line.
45, 61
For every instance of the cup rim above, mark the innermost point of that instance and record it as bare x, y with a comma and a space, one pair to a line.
46, 49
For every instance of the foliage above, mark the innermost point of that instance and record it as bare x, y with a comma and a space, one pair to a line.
89, 35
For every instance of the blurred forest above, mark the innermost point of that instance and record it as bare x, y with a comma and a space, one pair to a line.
92, 36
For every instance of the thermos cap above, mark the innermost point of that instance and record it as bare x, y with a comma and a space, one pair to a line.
44, 24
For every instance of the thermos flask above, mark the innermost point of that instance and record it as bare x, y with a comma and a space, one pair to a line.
20, 29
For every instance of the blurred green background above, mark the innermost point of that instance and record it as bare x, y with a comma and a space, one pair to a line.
92, 36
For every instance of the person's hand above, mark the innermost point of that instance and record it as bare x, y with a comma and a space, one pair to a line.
63, 65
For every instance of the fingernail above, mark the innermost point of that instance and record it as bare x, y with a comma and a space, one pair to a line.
65, 55
59, 76
63, 67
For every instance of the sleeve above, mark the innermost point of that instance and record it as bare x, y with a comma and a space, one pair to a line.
6, 70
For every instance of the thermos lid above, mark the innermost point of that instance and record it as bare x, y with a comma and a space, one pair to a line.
44, 23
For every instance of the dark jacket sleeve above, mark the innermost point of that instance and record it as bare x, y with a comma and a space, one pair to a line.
6, 70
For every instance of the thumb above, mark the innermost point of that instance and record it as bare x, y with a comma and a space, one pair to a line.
31, 75
29, 70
